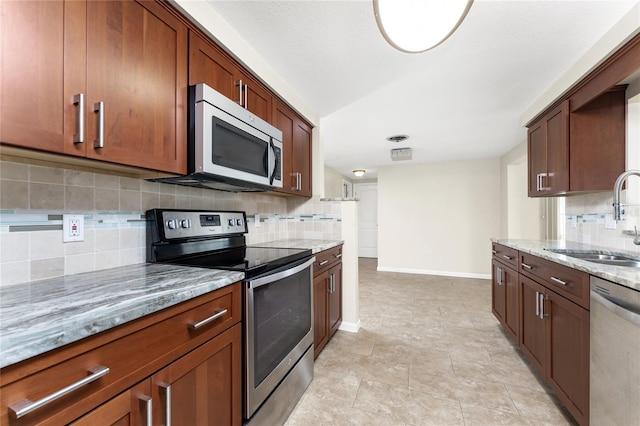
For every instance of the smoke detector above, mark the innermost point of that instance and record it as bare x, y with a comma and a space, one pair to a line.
397, 138
401, 154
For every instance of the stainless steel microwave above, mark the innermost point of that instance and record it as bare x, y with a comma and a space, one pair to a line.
229, 148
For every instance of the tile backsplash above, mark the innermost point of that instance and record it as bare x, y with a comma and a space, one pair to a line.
587, 217
33, 199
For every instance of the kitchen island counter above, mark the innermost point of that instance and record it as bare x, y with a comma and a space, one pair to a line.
39, 316
626, 276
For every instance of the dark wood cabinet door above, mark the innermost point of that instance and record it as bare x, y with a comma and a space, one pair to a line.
205, 385
498, 292
302, 157
128, 408
511, 315
568, 354
42, 67
137, 66
532, 327
257, 98
207, 64
557, 131
320, 308
537, 157
284, 119
335, 299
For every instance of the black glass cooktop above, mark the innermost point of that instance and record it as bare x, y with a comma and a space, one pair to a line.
250, 260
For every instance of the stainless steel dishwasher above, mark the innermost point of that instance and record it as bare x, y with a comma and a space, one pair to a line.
615, 354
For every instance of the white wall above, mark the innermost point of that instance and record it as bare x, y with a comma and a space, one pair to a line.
333, 182
438, 218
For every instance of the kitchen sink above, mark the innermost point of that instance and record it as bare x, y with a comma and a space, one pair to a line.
597, 257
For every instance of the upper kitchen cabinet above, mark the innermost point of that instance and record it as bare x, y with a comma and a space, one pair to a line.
102, 80
43, 59
296, 159
210, 65
137, 72
548, 153
578, 150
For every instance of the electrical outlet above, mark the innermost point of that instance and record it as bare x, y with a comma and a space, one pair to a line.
609, 223
72, 227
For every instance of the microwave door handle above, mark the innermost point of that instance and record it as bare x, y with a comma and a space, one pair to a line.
276, 162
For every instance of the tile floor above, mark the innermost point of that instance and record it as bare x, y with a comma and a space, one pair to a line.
429, 352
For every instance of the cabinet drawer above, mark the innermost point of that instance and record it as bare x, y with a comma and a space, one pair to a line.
130, 352
326, 259
506, 255
568, 282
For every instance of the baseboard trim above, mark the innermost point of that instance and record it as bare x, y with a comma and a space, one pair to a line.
350, 327
431, 272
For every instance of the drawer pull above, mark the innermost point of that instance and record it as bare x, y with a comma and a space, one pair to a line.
524, 265
197, 325
558, 280
148, 403
494, 252
167, 395
507, 257
25, 406
324, 262
98, 108
78, 99
338, 256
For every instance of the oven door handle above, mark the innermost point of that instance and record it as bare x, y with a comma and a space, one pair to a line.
268, 279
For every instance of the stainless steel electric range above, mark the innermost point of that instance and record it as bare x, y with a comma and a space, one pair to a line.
278, 304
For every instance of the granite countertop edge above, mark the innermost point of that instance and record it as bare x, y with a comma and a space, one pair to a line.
40, 316
625, 276
315, 245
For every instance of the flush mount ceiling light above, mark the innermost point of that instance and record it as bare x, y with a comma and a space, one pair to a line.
359, 172
414, 26
397, 138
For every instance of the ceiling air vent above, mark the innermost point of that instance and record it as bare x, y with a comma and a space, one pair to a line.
397, 138
401, 154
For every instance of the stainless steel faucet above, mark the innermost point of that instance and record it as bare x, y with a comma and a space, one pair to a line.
617, 188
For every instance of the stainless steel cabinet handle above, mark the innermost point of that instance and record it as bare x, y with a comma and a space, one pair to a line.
98, 107
338, 256
524, 265
507, 257
146, 400
25, 406
558, 280
324, 262
331, 283
500, 276
538, 185
167, 402
79, 100
246, 89
537, 304
197, 325
240, 86
541, 306
494, 252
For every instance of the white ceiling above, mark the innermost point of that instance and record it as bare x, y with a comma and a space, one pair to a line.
462, 100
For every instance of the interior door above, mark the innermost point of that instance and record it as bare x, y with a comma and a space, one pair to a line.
367, 193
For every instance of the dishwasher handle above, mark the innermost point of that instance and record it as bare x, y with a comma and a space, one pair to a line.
630, 313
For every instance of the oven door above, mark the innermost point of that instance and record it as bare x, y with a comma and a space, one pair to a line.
279, 328
228, 147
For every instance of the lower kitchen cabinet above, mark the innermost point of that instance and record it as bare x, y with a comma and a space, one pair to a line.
200, 368
131, 407
203, 387
327, 297
505, 289
551, 305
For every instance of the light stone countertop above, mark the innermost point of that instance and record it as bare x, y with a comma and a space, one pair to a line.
313, 244
42, 315
626, 276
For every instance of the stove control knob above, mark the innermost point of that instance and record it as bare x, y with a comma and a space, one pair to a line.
185, 223
231, 222
239, 222
172, 224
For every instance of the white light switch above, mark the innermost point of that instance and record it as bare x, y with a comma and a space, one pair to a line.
72, 227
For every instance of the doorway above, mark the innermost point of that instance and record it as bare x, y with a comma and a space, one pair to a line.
367, 193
